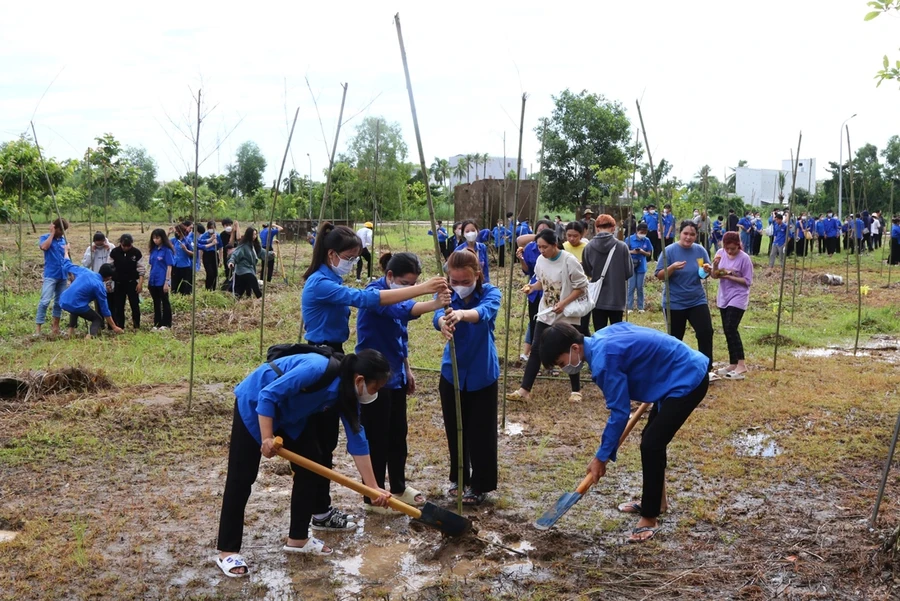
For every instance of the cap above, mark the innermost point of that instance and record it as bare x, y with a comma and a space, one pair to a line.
368, 224
588, 212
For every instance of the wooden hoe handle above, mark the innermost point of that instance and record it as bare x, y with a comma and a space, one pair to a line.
589, 479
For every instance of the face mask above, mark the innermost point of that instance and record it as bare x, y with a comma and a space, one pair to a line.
395, 286
464, 291
458, 233
653, 211
343, 267
471, 236
228, 228
641, 236
830, 215
572, 369
365, 397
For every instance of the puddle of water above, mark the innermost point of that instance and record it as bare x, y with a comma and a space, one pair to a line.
465, 568
513, 429
279, 586
828, 352
755, 444
523, 546
7, 536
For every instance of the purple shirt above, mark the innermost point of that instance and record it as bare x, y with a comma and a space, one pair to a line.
732, 294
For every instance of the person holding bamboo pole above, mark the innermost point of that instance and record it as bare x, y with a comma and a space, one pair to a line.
184, 253
55, 247
470, 321
210, 244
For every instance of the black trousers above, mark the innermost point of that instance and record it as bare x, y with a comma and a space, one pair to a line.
832, 246
821, 244
89, 315
162, 308
801, 247
876, 240
756, 243
534, 360
211, 267
123, 291
268, 266
665, 419
443, 247
479, 419
602, 318
246, 283
364, 254
654, 240
243, 465
895, 252
533, 308
384, 420
701, 321
502, 256
669, 241
731, 319
181, 280
326, 425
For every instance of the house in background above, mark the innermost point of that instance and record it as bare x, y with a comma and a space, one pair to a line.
760, 186
496, 168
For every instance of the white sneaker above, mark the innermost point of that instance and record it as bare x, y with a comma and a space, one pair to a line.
524, 358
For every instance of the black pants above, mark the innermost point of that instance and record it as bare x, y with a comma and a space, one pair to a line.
801, 247
384, 420
533, 308
162, 309
789, 247
731, 319
876, 240
534, 360
654, 240
243, 465
326, 424
832, 246
669, 241
211, 267
502, 256
89, 315
895, 251
246, 283
666, 418
443, 246
602, 318
122, 291
701, 321
479, 419
821, 244
702, 239
756, 243
181, 280
364, 254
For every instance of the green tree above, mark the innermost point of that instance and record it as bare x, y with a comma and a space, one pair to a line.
176, 198
461, 169
246, 174
142, 185
112, 167
377, 155
888, 71
20, 175
731, 182
470, 162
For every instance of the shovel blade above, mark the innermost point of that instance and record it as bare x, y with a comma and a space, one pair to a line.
564, 504
444, 520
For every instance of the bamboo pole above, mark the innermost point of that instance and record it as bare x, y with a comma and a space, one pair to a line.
337, 133
891, 213
375, 200
890, 240
853, 208
512, 264
270, 238
795, 161
439, 265
794, 270
666, 303
194, 258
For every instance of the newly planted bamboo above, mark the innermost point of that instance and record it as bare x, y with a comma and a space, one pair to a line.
889, 239
194, 259
795, 161
858, 251
337, 135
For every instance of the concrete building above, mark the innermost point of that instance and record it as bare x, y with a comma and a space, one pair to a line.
495, 169
760, 186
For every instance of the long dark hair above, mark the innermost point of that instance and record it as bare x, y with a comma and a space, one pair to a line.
248, 238
462, 229
164, 240
371, 365
402, 264
331, 237
467, 259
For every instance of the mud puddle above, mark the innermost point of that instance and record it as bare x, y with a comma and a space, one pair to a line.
513, 429
754, 443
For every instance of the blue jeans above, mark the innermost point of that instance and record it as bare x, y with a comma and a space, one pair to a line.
52, 288
636, 282
745, 241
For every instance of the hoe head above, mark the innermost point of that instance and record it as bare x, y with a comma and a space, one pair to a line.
444, 520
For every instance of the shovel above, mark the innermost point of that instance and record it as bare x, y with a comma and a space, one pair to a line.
430, 515
568, 500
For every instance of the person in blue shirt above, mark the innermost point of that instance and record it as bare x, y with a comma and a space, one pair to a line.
242, 264
159, 281
621, 358
268, 239
858, 231
779, 237
457, 240
54, 246
184, 254
190, 232
688, 265
210, 245
668, 225
88, 287
895, 241
500, 235
756, 234
442, 238
641, 249
267, 405
470, 323
470, 233
832, 230
528, 254
820, 233
652, 220
715, 240
744, 225
522, 228
384, 329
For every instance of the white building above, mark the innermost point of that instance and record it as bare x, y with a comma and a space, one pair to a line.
760, 186
494, 169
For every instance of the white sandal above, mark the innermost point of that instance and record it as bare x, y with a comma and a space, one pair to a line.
313, 546
230, 563
409, 497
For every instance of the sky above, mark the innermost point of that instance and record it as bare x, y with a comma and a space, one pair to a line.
718, 81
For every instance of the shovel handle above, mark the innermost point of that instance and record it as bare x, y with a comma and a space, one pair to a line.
342, 479
589, 479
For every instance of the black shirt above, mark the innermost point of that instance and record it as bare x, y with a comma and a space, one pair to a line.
125, 263
732, 223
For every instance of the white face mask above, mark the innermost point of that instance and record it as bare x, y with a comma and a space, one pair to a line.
344, 266
365, 397
395, 286
653, 211
227, 228
471, 236
570, 368
641, 236
464, 291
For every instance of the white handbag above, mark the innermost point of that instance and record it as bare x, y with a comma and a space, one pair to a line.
584, 304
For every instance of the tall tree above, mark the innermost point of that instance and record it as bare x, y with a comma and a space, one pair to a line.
377, 155
142, 184
470, 162
111, 165
20, 174
585, 133
461, 169
246, 174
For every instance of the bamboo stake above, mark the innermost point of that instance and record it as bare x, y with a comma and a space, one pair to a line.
337, 133
512, 264
439, 265
881, 270
853, 208
794, 270
375, 200
270, 238
795, 161
890, 240
666, 303
194, 258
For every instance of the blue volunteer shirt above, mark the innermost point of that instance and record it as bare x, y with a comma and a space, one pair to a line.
859, 229
326, 303
441, 232
206, 242
820, 228
668, 226
87, 288
744, 222
639, 261
895, 232
383, 328
476, 354
500, 234
685, 290
757, 224
652, 220
522, 229
780, 233
629, 362
530, 255
264, 236
182, 258
832, 227
54, 257
263, 393
160, 258
482, 251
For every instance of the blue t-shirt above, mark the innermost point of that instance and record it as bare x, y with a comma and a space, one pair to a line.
685, 289
325, 304
780, 233
281, 398
384, 328
832, 227
182, 258
652, 220
523, 229
264, 236
530, 255
744, 223
639, 261
206, 239
859, 229
476, 353
895, 232
441, 232
820, 228
500, 234
668, 226
160, 258
87, 288
54, 257
629, 362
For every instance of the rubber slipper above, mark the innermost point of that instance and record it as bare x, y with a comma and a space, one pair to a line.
516, 396
637, 531
312, 547
733, 375
411, 496
630, 507
380, 510
232, 562
473, 499
713, 377
722, 372
453, 491
575, 397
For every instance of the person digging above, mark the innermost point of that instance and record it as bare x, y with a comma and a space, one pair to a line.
620, 357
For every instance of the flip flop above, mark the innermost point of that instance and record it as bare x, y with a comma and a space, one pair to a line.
642, 530
630, 507
733, 375
410, 496
473, 499
313, 546
232, 562
713, 377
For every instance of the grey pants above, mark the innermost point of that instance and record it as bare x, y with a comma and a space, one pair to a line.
774, 253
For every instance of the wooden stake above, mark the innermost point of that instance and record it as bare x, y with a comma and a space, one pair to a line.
889, 239
196, 253
439, 264
337, 133
795, 161
853, 208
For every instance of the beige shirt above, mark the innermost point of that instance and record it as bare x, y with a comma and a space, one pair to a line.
558, 279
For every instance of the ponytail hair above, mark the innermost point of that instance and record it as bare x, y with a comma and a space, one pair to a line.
383, 261
331, 237
371, 365
467, 259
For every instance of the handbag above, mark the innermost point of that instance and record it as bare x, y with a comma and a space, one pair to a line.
584, 304
807, 235
770, 230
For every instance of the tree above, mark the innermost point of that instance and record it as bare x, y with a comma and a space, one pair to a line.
470, 162
584, 130
731, 182
614, 180
891, 156
246, 174
647, 186
106, 157
142, 186
176, 198
887, 72
376, 154
782, 178
20, 174
485, 160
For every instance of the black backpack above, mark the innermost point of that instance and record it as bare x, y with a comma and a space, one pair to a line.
277, 351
